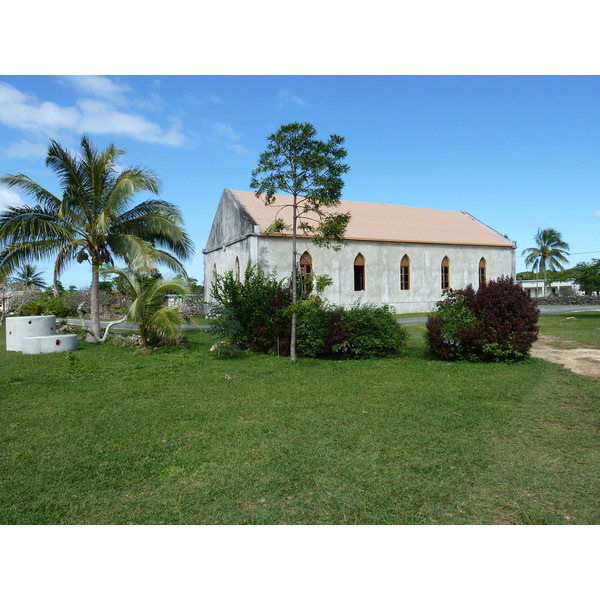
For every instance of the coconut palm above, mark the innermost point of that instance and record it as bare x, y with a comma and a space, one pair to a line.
94, 221
28, 278
550, 252
156, 322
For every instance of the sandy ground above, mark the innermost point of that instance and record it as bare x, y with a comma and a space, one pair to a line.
580, 359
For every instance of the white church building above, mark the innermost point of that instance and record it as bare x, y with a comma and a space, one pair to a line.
396, 255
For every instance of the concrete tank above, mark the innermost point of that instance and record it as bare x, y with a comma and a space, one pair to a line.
18, 328
45, 344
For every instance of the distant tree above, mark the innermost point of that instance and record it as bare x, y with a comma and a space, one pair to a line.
14, 296
310, 171
94, 220
549, 253
525, 275
28, 277
587, 275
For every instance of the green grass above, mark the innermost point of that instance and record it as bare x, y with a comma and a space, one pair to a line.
582, 327
102, 436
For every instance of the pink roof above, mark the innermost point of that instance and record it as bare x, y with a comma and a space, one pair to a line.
390, 222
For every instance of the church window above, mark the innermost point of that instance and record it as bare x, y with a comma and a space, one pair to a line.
482, 271
445, 273
305, 265
237, 268
405, 273
306, 268
359, 273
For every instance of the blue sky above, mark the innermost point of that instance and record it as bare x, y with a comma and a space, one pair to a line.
517, 152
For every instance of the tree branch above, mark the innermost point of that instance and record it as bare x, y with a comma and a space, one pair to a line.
104, 337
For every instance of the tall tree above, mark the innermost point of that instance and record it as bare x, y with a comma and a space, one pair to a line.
94, 220
28, 277
297, 164
550, 252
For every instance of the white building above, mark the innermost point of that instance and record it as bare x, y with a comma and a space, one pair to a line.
396, 255
536, 288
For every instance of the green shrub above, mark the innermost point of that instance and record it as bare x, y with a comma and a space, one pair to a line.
48, 304
374, 332
256, 313
251, 313
311, 327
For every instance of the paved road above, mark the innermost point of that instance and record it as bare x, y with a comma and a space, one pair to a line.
545, 310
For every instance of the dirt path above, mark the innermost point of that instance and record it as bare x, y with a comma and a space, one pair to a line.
580, 359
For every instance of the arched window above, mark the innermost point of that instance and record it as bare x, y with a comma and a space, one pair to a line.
305, 270
405, 273
305, 265
445, 273
482, 271
359, 273
237, 268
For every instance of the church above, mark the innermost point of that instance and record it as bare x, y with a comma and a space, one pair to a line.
401, 256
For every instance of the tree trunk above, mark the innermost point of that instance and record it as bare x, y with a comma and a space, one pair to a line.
294, 290
95, 302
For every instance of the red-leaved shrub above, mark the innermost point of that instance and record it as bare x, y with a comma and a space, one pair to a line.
498, 322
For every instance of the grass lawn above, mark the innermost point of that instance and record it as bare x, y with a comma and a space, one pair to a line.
101, 436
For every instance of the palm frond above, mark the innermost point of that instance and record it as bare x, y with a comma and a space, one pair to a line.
32, 189
159, 223
64, 164
14, 256
138, 254
31, 223
121, 191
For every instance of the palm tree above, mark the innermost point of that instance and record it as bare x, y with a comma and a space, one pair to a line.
28, 278
156, 322
549, 253
94, 220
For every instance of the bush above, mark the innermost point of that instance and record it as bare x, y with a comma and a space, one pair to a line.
250, 313
374, 332
498, 322
257, 314
48, 304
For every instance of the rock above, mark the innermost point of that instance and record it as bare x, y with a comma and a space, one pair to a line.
147, 351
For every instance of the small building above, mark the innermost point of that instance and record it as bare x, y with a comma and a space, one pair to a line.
401, 256
536, 288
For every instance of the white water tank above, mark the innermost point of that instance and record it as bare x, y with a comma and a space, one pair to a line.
45, 344
18, 328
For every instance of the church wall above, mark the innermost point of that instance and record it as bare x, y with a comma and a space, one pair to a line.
382, 269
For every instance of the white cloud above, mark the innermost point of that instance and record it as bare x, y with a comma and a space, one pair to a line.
9, 198
224, 135
286, 97
95, 116
24, 149
597, 214
98, 86
100, 117
199, 99
25, 112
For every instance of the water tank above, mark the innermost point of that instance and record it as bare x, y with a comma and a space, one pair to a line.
18, 328
45, 344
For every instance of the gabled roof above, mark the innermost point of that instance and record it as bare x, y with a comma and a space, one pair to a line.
389, 222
